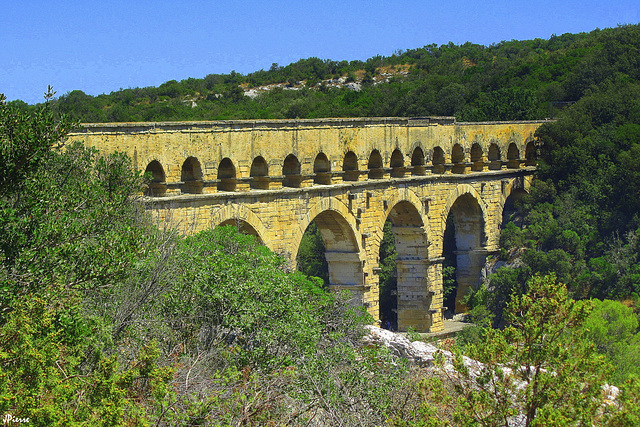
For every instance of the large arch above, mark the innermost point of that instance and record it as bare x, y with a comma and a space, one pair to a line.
414, 294
512, 192
466, 212
324, 204
243, 218
418, 286
343, 248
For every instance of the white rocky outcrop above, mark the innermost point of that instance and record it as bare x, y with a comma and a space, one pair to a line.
423, 354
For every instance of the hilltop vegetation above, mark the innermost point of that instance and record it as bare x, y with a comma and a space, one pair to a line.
510, 80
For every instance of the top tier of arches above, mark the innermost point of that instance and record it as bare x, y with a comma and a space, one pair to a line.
272, 174
232, 156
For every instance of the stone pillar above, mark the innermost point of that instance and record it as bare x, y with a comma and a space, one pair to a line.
345, 272
468, 271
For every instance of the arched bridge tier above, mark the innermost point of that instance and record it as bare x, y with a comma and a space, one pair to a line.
272, 178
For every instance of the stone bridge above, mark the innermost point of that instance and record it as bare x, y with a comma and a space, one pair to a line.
272, 178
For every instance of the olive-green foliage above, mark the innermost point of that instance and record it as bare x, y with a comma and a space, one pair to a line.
613, 328
540, 370
109, 321
70, 227
230, 289
310, 259
582, 216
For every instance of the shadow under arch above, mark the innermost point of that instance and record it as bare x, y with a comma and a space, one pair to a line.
244, 219
415, 296
512, 193
191, 176
464, 241
343, 250
157, 186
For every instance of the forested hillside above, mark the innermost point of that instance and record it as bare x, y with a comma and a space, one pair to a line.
510, 80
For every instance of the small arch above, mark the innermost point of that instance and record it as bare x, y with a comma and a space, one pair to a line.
322, 170
350, 167
291, 172
191, 176
438, 160
157, 187
495, 159
530, 154
513, 156
226, 175
417, 162
457, 158
397, 164
477, 160
375, 165
259, 174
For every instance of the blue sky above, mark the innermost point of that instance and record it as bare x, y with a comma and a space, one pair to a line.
100, 47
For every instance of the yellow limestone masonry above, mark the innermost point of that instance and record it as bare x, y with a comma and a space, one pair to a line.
272, 178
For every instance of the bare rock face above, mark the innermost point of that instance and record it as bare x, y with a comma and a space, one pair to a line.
417, 352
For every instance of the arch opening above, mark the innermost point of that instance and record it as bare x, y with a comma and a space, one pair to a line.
321, 170
226, 175
477, 160
511, 209
495, 159
191, 176
464, 251
530, 154
438, 160
259, 174
157, 187
417, 162
350, 167
329, 250
457, 158
291, 172
405, 297
513, 156
242, 227
375, 167
397, 164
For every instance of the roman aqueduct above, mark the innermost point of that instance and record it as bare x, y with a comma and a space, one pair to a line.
272, 178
